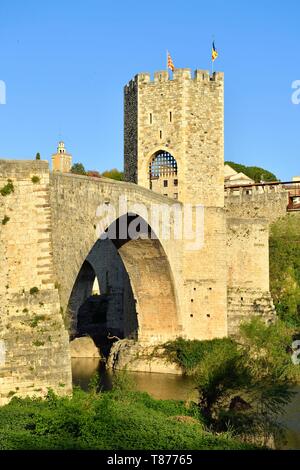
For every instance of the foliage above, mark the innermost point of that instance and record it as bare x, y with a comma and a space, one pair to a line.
254, 172
242, 386
123, 382
285, 268
189, 353
36, 320
93, 173
113, 420
78, 169
113, 174
38, 343
33, 290
35, 179
5, 220
7, 189
38, 156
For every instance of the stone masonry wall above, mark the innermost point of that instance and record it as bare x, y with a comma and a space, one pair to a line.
152, 269
248, 271
248, 219
33, 342
269, 202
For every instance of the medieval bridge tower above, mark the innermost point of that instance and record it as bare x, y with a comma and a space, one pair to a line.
174, 145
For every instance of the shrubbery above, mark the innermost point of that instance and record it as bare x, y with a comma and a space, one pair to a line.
243, 385
285, 268
114, 420
254, 172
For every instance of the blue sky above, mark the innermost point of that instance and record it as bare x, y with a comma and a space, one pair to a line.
65, 64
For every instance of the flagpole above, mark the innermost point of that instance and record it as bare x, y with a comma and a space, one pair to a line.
212, 60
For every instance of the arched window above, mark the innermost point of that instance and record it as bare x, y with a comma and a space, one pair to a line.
162, 164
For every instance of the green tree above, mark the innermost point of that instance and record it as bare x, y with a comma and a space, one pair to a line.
243, 386
78, 169
38, 156
254, 172
113, 174
285, 268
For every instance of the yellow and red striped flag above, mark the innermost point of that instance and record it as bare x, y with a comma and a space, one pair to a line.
170, 63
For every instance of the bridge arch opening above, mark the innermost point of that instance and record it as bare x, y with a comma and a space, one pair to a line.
137, 298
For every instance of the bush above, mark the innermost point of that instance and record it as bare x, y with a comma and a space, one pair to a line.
7, 189
93, 173
242, 386
114, 420
189, 353
285, 268
113, 174
33, 290
35, 179
5, 220
78, 169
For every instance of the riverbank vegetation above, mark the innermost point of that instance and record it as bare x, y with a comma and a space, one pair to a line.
119, 420
285, 268
243, 385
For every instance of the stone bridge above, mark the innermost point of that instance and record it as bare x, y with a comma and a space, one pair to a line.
49, 240
49, 227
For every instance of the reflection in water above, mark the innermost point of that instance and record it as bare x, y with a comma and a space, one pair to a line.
160, 386
83, 370
291, 420
176, 387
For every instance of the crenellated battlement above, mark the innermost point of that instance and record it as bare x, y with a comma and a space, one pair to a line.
181, 74
257, 201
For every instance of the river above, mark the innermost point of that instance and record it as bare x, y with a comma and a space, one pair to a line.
177, 387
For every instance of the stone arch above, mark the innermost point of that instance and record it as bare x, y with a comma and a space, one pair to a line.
151, 279
82, 289
150, 306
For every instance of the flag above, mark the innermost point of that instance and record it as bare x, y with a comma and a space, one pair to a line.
214, 53
170, 63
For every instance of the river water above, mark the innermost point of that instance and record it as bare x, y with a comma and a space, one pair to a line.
177, 387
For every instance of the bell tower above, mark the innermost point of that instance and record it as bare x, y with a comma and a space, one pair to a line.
61, 160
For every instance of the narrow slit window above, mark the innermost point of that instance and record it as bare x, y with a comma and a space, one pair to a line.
160, 134
170, 116
150, 118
